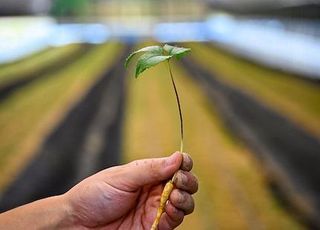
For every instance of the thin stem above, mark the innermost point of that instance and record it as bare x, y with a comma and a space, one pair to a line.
179, 107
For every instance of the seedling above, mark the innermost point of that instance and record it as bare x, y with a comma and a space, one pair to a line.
153, 55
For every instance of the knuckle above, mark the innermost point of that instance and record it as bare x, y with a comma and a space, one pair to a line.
181, 199
177, 198
174, 213
154, 169
181, 179
135, 163
186, 181
191, 183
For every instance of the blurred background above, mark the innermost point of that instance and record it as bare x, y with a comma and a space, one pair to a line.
250, 94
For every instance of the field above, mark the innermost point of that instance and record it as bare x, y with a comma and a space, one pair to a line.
290, 95
54, 117
42, 105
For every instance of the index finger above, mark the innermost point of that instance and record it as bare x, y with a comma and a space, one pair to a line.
187, 162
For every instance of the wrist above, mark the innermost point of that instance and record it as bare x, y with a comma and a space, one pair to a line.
65, 219
50, 213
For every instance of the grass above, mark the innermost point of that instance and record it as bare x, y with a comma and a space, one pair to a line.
233, 192
35, 62
31, 113
295, 98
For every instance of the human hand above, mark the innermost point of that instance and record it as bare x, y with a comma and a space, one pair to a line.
127, 196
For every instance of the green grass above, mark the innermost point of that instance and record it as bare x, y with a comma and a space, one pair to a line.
41, 60
31, 113
295, 98
233, 192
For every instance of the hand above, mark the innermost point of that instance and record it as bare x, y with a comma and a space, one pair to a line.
127, 196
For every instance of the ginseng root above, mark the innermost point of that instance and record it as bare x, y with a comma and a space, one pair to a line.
163, 200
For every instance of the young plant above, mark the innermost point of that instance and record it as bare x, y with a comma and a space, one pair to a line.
153, 55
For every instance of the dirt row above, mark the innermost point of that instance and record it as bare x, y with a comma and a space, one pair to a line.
27, 78
86, 141
289, 155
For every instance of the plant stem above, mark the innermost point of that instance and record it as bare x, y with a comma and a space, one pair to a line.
169, 185
179, 107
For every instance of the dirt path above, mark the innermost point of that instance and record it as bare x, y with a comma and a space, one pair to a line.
27, 78
85, 142
289, 154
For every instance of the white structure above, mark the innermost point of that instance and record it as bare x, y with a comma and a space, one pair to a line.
260, 4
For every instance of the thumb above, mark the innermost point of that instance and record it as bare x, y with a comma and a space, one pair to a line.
149, 171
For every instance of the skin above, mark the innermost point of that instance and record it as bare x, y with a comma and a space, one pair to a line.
121, 197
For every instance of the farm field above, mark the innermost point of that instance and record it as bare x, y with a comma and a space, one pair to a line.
288, 152
30, 113
294, 97
138, 119
37, 62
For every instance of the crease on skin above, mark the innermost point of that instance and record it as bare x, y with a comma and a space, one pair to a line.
143, 223
181, 197
175, 212
132, 216
121, 223
121, 190
176, 218
186, 182
144, 204
157, 169
118, 173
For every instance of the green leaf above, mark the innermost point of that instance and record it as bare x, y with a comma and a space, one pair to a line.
148, 60
175, 51
153, 55
152, 49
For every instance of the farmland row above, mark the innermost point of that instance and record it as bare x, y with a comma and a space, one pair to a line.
26, 58
295, 98
17, 75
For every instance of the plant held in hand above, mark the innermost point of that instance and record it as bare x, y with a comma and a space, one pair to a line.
153, 55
